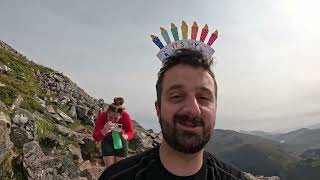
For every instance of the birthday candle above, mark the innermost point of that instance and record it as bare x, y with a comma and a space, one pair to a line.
174, 31
204, 33
194, 32
165, 35
212, 38
157, 41
184, 30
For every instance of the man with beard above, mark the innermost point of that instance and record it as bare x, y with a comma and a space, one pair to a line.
186, 107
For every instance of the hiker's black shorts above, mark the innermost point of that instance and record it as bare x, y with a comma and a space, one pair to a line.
108, 150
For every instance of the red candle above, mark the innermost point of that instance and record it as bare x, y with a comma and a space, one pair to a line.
204, 33
194, 32
212, 38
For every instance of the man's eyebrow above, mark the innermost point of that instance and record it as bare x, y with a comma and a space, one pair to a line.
205, 89
174, 87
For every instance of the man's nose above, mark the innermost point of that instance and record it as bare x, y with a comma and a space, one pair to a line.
191, 107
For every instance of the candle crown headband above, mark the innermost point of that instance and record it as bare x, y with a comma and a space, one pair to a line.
185, 43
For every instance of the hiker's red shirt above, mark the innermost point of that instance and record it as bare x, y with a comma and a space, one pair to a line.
101, 120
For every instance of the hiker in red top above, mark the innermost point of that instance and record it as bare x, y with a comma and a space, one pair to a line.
113, 123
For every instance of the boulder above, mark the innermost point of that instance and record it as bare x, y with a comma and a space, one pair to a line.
65, 116
17, 102
23, 128
65, 131
2, 85
92, 173
56, 117
73, 112
3, 105
90, 150
41, 102
4, 69
50, 109
58, 77
85, 165
82, 111
38, 166
5, 143
76, 153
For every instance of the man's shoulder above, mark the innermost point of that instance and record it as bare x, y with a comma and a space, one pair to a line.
224, 170
129, 167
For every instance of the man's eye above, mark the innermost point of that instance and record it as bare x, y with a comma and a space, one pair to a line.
204, 98
176, 97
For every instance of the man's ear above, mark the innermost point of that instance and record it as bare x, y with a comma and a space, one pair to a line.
157, 106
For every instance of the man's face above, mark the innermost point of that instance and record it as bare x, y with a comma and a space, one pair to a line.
188, 108
113, 117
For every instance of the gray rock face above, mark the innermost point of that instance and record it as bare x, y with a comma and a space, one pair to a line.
17, 102
41, 102
65, 116
82, 111
3, 105
2, 85
38, 166
68, 93
23, 128
56, 117
90, 150
92, 173
5, 143
73, 112
76, 153
65, 131
4, 69
50, 109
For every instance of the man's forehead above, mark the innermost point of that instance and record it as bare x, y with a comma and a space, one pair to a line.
183, 77
177, 86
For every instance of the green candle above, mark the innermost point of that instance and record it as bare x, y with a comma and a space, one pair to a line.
174, 31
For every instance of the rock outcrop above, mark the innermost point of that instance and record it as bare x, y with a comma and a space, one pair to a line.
38, 166
23, 128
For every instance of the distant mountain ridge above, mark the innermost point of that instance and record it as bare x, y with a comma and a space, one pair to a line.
261, 155
299, 140
243, 150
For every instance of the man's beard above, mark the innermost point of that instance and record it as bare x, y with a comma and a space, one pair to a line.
185, 141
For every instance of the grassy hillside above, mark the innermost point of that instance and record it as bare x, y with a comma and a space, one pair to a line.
20, 80
250, 153
296, 141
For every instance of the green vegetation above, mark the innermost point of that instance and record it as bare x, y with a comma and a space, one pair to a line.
6, 168
8, 94
304, 169
75, 125
21, 79
44, 128
31, 103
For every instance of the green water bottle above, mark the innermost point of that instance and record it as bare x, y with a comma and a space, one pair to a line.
117, 143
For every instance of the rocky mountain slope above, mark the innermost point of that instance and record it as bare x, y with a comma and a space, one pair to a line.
46, 123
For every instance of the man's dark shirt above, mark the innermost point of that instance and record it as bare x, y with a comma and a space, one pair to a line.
147, 166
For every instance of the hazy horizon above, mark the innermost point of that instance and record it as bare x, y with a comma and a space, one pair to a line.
267, 58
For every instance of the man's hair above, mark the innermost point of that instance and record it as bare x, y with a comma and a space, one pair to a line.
189, 57
114, 108
120, 99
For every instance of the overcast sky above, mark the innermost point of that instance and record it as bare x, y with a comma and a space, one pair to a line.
268, 59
